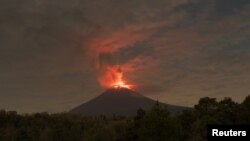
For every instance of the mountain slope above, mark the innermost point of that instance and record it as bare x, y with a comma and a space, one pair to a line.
119, 101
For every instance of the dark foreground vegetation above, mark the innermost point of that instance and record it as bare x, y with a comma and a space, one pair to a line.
154, 125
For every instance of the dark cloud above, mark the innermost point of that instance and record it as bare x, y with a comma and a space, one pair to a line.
227, 7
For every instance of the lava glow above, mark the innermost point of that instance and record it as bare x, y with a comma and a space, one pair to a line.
121, 84
112, 77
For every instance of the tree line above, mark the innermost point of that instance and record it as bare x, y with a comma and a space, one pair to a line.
156, 124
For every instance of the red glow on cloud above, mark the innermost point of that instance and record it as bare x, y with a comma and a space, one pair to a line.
111, 41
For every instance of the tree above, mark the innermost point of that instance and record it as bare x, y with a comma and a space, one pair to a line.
245, 110
157, 125
206, 106
227, 112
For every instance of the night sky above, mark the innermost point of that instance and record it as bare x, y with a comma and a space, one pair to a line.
53, 53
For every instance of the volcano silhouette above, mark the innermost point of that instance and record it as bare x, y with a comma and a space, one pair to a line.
120, 101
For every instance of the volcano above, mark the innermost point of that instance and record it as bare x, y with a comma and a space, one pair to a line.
120, 101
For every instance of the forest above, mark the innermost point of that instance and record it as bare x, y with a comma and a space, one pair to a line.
156, 124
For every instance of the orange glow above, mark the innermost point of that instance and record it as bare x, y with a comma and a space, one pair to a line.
113, 77
121, 84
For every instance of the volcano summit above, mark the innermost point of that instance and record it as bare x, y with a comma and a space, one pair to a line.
120, 101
